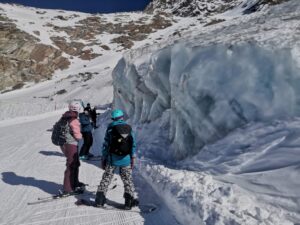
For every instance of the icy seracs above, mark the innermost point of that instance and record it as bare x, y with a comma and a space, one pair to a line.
209, 90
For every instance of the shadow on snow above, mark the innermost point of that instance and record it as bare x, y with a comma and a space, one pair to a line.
46, 186
51, 153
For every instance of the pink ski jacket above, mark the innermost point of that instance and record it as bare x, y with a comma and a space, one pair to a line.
75, 135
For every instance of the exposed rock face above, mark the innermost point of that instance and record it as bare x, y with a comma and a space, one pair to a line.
128, 32
74, 48
23, 59
187, 8
258, 5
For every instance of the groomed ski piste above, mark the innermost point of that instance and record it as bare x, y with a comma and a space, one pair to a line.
33, 168
248, 177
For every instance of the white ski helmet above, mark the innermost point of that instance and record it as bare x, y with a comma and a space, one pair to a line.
76, 106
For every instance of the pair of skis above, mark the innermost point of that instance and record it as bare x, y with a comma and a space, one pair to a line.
142, 208
62, 195
50, 198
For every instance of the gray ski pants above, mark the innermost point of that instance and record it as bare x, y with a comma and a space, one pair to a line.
126, 177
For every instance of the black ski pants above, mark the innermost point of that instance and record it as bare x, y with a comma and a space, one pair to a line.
87, 143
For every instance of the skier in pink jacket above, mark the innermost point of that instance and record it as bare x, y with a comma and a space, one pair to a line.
71, 181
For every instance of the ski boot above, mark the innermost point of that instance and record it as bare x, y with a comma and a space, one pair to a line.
77, 191
81, 185
130, 201
80, 188
100, 199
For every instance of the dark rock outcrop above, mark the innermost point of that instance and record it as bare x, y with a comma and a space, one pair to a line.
24, 59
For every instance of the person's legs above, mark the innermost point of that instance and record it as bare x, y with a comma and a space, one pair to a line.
106, 179
103, 187
87, 143
84, 145
126, 176
72, 167
75, 168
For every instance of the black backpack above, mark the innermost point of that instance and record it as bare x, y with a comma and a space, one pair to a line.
121, 140
60, 129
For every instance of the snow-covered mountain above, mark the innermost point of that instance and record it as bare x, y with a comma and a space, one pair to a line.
213, 100
35, 43
53, 40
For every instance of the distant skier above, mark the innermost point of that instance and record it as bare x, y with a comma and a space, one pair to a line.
88, 107
86, 131
94, 117
92, 113
71, 182
118, 152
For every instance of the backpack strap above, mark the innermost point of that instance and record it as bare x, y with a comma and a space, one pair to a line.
109, 144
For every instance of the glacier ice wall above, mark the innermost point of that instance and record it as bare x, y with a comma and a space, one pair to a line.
209, 91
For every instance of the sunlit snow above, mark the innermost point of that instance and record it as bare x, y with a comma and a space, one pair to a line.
215, 112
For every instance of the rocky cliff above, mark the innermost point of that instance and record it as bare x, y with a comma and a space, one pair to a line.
24, 59
186, 8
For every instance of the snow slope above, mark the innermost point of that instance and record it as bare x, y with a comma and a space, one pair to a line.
249, 176
32, 167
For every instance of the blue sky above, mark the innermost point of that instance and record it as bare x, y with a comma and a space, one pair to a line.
90, 6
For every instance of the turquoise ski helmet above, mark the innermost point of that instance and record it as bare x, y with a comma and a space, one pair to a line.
117, 113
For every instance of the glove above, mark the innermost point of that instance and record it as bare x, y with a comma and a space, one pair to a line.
132, 162
104, 163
